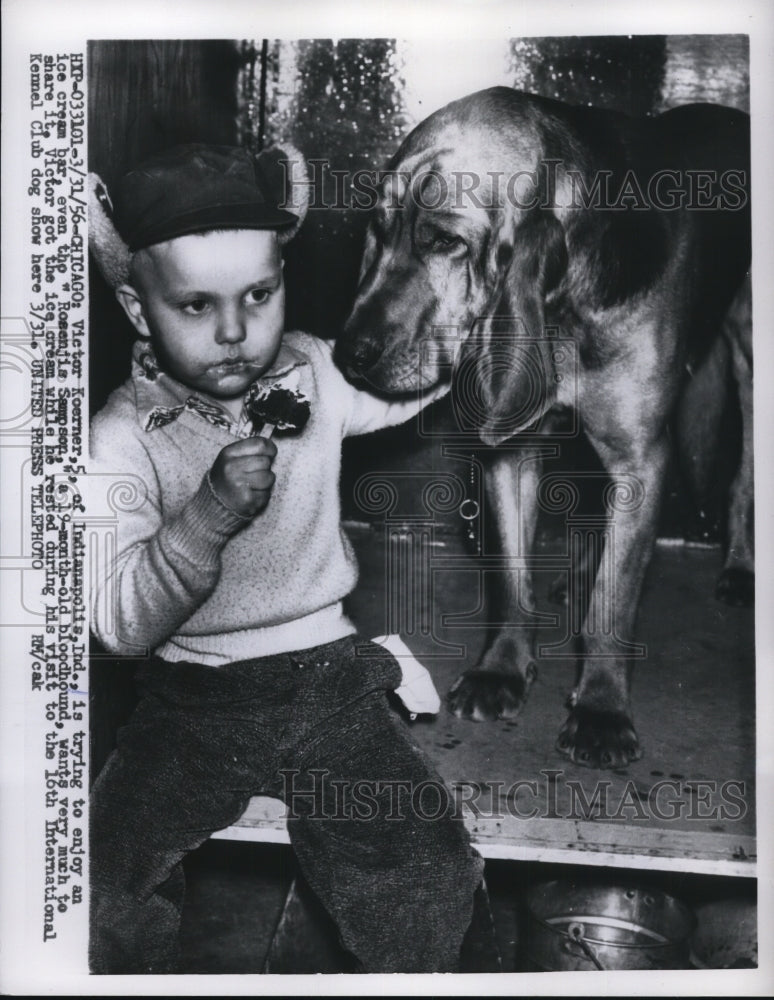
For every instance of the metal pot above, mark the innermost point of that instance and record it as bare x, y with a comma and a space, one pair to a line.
585, 927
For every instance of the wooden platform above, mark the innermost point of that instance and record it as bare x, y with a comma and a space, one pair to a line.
688, 805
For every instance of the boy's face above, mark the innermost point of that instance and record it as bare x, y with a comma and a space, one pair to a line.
213, 305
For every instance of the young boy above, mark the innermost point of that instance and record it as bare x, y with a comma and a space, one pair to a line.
231, 567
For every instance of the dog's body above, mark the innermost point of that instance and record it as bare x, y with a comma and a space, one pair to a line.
490, 222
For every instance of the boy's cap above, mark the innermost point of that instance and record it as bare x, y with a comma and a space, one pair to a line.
191, 189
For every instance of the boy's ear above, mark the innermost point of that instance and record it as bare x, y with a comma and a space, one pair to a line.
287, 175
132, 306
108, 249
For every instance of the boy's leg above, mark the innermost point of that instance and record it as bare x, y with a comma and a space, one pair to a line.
186, 765
373, 826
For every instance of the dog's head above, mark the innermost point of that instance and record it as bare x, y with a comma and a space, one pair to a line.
459, 257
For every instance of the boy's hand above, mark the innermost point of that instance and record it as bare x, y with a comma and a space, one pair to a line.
241, 475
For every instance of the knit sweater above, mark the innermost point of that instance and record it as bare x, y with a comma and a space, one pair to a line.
193, 580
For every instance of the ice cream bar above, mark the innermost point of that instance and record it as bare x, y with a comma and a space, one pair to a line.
275, 407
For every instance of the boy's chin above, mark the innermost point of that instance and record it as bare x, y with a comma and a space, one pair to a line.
229, 398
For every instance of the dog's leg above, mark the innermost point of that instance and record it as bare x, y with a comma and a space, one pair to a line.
599, 731
736, 584
563, 587
498, 688
698, 425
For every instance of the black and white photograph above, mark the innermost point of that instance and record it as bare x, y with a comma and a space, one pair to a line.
383, 477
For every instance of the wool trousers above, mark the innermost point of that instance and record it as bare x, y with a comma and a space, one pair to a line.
372, 825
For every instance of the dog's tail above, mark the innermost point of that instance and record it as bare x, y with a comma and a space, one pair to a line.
703, 431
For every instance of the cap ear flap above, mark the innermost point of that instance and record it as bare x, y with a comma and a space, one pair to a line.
111, 254
504, 379
286, 172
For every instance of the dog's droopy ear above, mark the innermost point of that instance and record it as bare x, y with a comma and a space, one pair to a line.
504, 379
286, 171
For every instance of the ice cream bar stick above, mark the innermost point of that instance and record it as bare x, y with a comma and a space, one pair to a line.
267, 430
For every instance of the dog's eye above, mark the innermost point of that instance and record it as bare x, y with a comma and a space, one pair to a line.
440, 241
446, 241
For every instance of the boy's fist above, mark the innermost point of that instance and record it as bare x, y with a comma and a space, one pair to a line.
241, 475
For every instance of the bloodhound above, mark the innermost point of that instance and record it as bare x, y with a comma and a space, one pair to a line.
587, 263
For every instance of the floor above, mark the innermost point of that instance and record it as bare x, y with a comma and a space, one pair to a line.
695, 705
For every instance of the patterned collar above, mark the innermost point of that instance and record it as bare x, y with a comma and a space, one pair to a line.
161, 399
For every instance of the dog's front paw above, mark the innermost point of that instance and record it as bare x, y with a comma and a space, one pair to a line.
736, 587
599, 739
486, 695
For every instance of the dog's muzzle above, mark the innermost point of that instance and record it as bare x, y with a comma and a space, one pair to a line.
356, 358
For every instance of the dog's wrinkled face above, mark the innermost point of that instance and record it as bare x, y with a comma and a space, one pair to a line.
425, 278
458, 258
